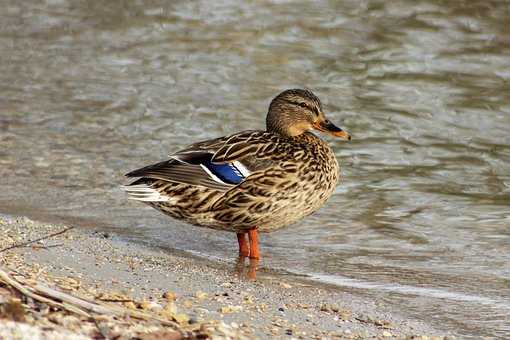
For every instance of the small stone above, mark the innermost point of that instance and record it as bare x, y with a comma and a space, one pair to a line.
324, 308
170, 308
200, 295
150, 305
387, 334
181, 318
345, 315
202, 310
230, 309
130, 305
248, 299
285, 285
170, 296
384, 324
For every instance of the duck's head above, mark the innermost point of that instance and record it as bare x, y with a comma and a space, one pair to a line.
297, 111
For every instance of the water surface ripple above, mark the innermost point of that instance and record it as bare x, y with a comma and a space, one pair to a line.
421, 220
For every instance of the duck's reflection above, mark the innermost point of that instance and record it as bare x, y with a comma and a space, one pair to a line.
248, 271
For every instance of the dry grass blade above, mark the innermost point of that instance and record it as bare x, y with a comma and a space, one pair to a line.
26, 243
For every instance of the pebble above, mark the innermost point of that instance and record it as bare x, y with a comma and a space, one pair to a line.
130, 305
150, 305
202, 310
387, 334
169, 295
200, 295
230, 309
182, 318
170, 308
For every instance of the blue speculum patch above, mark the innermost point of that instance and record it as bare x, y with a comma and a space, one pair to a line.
227, 172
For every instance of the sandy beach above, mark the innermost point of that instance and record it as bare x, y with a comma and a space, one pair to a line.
202, 298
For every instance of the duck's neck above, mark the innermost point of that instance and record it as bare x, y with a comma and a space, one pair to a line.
285, 124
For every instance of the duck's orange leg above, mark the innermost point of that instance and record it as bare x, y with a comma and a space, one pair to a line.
254, 243
244, 251
252, 269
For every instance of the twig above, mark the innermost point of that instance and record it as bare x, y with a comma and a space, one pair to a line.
72, 300
92, 306
115, 300
26, 243
75, 304
7, 279
48, 247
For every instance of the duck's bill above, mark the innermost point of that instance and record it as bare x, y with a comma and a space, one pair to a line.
332, 129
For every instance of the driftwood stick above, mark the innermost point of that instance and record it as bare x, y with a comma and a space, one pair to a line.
74, 304
96, 307
26, 243
64, 297
25, 291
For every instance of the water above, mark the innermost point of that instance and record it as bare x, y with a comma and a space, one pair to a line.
92, 89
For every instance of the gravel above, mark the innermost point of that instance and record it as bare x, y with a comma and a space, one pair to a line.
219, 297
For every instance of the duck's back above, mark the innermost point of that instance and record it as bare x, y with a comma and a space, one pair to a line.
250, 179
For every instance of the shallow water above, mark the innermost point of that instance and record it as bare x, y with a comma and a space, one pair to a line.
92, 89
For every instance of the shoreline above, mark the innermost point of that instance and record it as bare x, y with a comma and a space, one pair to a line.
205, 291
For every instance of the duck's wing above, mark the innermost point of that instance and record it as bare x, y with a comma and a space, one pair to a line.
274, 184
218, 164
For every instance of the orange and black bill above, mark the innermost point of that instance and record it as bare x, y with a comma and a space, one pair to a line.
332, 129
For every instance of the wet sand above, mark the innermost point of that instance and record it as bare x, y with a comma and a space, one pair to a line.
204, 291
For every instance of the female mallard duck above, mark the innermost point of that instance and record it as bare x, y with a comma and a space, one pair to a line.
250, 181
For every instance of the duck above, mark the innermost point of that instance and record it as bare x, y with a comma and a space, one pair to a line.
251, 181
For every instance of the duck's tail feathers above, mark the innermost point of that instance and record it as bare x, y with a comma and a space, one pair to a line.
144, 192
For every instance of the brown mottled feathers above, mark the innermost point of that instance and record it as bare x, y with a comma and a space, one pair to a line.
288, 179
179, 172
235, 147
184, 166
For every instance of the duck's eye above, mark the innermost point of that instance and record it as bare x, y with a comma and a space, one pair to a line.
303, 105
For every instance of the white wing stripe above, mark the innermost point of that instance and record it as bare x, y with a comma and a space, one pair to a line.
241, 168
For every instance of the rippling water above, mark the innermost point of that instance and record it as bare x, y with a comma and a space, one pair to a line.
92, 89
